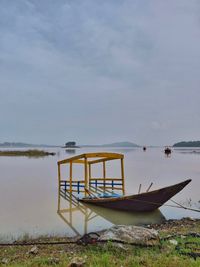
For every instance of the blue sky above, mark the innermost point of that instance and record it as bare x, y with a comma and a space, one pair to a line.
99, 71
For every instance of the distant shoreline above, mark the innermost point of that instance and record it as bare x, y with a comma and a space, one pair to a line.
187, 144
21, 145
34, 153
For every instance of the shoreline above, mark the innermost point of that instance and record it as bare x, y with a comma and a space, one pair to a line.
178, 226
171, 232
31, 153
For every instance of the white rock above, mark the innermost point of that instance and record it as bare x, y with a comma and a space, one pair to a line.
77, 262
33, 250
4, 261
130, 234
173, 242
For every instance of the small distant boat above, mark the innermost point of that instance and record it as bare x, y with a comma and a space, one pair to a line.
167, 150
110, 192
144, 148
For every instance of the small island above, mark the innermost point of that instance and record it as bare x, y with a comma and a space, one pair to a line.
34, 153
71, 144
187, 144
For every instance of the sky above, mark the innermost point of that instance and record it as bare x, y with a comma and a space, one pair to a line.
99, 71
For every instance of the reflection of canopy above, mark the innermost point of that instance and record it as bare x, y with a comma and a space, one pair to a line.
66, 214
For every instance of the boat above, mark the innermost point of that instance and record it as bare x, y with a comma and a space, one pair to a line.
109, 192
167, 150
148, 201
69, 209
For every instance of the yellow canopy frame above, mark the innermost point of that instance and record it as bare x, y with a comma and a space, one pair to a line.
88, 159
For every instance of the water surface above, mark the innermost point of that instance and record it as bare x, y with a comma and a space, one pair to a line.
29, 192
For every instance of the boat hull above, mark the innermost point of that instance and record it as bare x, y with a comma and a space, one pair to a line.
148, 201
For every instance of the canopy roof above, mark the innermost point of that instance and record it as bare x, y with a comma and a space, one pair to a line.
93, 158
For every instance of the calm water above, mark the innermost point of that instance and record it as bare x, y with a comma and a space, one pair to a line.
29, 192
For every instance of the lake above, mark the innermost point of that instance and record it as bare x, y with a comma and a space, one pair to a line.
29, 198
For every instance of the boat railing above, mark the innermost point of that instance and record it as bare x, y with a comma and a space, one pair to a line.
79, 185
73, 186
108, 183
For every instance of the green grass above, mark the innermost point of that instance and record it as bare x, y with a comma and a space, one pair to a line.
108, 255
102, 255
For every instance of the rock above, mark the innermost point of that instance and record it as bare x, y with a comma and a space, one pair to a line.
191, 219
4, 261
173, 242
34, 250
194, 234
77, 262
130, 234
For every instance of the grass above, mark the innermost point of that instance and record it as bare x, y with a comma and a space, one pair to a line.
32, 153
111, 254
106, 255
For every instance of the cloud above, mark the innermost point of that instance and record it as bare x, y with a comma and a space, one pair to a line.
99, 71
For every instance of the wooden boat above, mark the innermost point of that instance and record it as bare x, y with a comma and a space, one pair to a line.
110, 192
147, 201
167, 150
68, 209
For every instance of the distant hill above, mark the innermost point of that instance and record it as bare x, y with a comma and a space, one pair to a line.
117, 144
121, 144
19, 144
187, 144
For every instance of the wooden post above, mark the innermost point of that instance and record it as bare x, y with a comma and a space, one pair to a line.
59, 178
89, 173
86, 175
139, 188
70, 212
104, 175
122, 175
70, 177
58, 203
85, 221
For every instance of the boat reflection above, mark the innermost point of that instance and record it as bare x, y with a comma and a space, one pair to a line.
82, 218
128, 218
